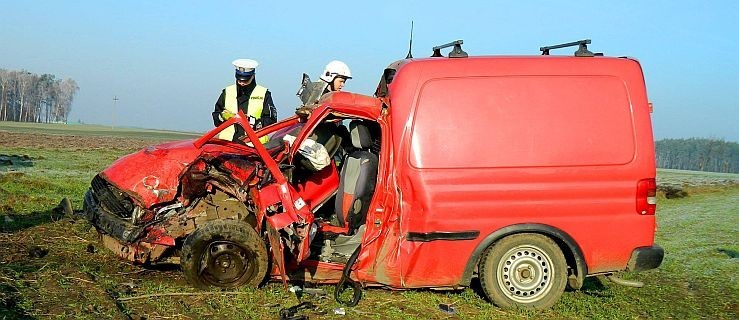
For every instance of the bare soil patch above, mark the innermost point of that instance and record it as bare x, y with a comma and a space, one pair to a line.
75, 142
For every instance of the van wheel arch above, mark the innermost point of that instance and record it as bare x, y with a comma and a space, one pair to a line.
570, 248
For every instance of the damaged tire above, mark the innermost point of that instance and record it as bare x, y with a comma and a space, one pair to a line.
225, 254
524, 270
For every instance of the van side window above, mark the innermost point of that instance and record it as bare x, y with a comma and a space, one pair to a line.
522, 121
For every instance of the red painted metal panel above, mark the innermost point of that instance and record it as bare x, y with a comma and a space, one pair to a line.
152, 175
490, 171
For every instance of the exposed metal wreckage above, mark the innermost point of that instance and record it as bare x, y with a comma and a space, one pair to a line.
213, 188
149, 214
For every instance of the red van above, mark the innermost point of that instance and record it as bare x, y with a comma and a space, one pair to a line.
527, 172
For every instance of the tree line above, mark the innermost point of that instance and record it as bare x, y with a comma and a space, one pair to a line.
29, 97
698, 154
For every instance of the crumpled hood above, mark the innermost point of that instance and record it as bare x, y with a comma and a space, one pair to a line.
151, 175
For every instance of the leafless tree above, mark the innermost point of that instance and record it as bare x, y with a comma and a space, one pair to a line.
700, 154
35, 98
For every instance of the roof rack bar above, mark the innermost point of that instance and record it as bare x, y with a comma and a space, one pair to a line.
456, 52
582, 51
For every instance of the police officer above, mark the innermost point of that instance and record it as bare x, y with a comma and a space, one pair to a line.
246, 95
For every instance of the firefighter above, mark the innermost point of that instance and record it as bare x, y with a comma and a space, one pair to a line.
335, 75
330, 139
246, 95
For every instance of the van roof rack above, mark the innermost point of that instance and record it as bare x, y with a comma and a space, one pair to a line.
582, 50
456, 52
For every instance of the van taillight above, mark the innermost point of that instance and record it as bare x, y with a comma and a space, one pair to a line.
646, 196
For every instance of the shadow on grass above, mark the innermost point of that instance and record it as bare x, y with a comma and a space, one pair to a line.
15, 222
476, 287
161, 267
10, 222
592, 286
9, 303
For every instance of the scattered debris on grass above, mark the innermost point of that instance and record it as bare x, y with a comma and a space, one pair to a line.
672, 192
127, 288
291, 313
64, 207
731, 253
314, 293
308, 293
447, 308
14, 161
37, 252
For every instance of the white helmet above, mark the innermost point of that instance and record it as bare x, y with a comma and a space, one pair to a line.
335, 68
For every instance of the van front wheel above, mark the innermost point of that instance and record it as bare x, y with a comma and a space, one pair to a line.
225, 254
524, 270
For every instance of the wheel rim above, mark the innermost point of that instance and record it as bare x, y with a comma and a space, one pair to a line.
225, 264
525, 273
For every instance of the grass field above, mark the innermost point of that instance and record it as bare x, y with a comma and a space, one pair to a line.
51, 265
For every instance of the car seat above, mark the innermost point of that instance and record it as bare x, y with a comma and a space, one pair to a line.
356, 182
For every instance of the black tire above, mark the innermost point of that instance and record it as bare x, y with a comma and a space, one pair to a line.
225, 254
524, 271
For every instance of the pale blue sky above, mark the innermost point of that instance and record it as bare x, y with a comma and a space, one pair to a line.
168, 60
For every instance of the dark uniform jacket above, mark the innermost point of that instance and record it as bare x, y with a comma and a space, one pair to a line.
269, 112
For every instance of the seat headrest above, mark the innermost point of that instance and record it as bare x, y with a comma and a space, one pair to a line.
360, 134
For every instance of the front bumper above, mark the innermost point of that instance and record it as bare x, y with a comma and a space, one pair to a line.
645, 258
109, 223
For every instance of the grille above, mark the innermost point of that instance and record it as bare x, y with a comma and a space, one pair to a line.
111, 199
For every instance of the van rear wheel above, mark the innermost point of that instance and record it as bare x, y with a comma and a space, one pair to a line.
225, 254
524, 270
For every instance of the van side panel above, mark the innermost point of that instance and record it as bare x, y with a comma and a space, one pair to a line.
523, 121
497, 142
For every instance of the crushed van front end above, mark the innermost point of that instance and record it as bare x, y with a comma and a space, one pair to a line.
112, 211
120, 226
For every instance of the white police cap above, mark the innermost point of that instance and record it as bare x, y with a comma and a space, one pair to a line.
245, 68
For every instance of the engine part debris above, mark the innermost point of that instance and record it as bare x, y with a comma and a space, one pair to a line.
291, 312
14, 162
672, 191
316, 292
307, 293
733, 254
447, 308
127, 288
64, 207
624, 282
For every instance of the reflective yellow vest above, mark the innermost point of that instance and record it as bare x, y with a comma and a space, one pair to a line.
253, 109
